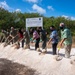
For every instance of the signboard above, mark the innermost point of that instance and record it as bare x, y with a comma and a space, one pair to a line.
34, 22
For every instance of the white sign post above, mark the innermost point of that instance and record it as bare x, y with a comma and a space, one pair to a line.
34, 22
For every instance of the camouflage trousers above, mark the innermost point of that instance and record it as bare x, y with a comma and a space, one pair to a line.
67, 50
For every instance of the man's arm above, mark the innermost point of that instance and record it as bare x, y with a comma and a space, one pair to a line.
61, 42
49, 41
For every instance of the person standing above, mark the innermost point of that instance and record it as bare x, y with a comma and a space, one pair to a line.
20, 39
36, 37
27, 39
43, 37
13, 34
53, 39
2, 36
66, 39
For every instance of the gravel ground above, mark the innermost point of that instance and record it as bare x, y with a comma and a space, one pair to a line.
7, 67
15, 62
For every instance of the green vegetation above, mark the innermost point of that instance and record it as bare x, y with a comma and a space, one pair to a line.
17, 20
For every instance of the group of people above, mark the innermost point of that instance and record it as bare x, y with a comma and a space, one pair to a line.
17, 37
21, 38
66, 39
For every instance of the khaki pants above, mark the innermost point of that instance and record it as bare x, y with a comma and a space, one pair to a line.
67, 50
27, 41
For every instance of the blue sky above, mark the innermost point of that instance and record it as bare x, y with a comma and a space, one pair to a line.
65, 8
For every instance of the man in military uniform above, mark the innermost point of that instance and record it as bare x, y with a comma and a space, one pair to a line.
2, 36
43, 37
27, 39
12, 36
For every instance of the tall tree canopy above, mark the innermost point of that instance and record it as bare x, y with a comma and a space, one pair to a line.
18, 20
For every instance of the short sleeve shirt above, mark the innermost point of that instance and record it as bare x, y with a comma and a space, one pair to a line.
54, 36
66, 34
36, 35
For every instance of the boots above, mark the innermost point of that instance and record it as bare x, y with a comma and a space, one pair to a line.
27, 47
17, 46
38, 49
44, 51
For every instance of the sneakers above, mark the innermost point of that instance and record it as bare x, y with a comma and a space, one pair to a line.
44, 51
5, 45
26, 47
72, 62
17, 46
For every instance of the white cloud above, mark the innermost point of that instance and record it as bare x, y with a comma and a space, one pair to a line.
18, 10
38, 9
33, 1
4, 5
65, 16
7, 7
50, 7
73, 18
69, 17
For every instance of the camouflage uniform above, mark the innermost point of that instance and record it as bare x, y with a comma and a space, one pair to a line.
13, 35
6, 34
2, 37
10, 36
27, 39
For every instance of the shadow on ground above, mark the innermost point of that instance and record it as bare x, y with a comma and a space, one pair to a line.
8, 67
50, 52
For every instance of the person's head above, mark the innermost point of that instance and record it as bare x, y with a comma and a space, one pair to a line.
31, 30
62, 26
7, 30
12, 28
20, 31
39, 28
52, 28
2, 30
